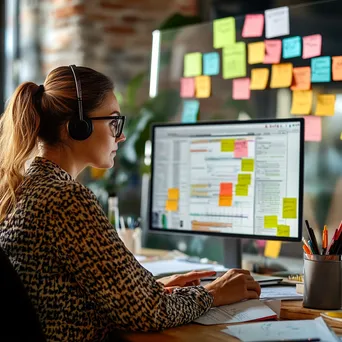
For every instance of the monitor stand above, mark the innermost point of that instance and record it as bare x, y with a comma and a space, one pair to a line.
232, 253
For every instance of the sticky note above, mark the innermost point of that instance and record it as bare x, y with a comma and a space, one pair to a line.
244, 178
259, 78
241, 149
173, 194
312, 46
224, 32
190, 111
241, 89
321, 69
301, 102
281, 75
241, 190
187, 87
270, 221
341, 136
227, 145
283, 230
225, 201
234, 61
301, 78
272, 51
247, 165
226, 189
337, 68
256, 52
313, 128
325, 104
253, 25
277, 22
203, 86
192, 64
289, 208
292, 47
272, 249
171, 205
211, 63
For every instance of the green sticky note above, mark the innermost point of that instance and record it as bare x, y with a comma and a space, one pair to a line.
283, 230
271, 221
193, 64
234, 61
227, 145
289, 208
224, 32
247, 165
244, 178
241, 190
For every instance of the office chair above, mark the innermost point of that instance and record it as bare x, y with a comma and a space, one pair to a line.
18, 319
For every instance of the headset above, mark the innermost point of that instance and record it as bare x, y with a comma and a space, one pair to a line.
79, 128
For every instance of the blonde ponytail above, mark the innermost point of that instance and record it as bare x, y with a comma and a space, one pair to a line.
19, 127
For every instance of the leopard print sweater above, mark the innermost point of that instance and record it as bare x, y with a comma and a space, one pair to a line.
81, 279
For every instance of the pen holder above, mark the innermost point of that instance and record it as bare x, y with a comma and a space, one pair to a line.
131, 238
322, 282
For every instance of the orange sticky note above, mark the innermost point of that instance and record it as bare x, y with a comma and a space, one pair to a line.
281, 75
171, 205
272, 249
256, 52
326, 105
203, 86
301, 78
187, 87
272, 51
337, 68
173, 194
253, 25
301, 102
312, 46
313, 128
241, 90
226, 189
225, 201
259, 78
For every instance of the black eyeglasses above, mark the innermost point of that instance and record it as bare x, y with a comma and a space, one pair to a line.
116, 125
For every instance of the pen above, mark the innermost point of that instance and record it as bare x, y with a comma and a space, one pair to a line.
304, 241
312, 238
311, 247
307, 249
324, 240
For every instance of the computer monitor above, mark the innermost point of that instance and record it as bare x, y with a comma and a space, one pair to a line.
241, 179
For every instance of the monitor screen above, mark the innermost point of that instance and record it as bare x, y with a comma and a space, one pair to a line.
236, 178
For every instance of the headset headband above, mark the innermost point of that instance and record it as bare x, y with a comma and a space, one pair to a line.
78, 91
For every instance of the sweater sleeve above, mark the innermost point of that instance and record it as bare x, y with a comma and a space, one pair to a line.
104, 268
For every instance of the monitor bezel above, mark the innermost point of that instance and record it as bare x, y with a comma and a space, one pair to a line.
233, 235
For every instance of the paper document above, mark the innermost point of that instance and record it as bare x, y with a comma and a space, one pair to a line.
280, 292
283, 330
249, 310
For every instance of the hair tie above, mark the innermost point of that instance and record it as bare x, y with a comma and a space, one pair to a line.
40, 90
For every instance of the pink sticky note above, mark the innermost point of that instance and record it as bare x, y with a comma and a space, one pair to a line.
187, 87
313, 128
240, 148
241, 89
272, 51
312, 46
253, 26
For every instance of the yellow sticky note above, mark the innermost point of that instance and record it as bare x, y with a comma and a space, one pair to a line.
256, 52
173, 194
192, 64
224, 32
244, 178
272, 249
234, 61
341, 136
283, 230
281, 75
259, 78
171, 205
241, 190
225, 201
227, 145
247, 165
289, 208
301, 102
203, 86
325, 105
271, 221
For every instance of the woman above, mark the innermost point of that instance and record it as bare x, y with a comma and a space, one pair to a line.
81, 279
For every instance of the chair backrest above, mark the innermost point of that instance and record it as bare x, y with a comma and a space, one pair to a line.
18, 318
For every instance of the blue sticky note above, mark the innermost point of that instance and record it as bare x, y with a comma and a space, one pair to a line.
292, 47
211, 63
190, 111
321, 69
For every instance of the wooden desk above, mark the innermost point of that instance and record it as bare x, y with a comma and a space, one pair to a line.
200, 333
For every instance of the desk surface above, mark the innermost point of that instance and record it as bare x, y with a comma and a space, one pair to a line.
201, 333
